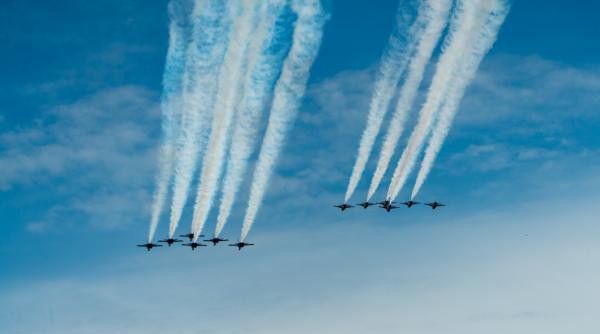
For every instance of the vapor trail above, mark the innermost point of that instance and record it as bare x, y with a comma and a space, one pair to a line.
392, 65
205, 54
258, 83
458, 41
180, 29
228, 95
289, 90
496, 13
435, 14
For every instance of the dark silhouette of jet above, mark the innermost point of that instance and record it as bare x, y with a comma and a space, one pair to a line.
170, 241
435, 205
149, 245
215, 240
240, 245
344, 206
365, 204
410, 203
190, 236
388, 206
193, 245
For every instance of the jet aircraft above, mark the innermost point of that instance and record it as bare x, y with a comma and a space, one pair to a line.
240, 245
215, 240
344, 206
193, 245
435, 205
149, 245
365, 204
190, 236
388, 206
410, 203
170, 241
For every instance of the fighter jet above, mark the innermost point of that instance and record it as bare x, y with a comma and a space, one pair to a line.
435, 204
194, 245
344, 206
215, 240
410, 203
240, 245
365, 204
190, 236
149, 245
388, 206
170, 241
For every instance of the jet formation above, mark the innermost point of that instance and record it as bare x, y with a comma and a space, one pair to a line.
193, 244
388, 205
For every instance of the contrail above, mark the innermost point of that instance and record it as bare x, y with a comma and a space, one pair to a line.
230, 87
497, 11
436, 15
259, 82
392, 65
180, 29
288, 92
459, 39
205, 55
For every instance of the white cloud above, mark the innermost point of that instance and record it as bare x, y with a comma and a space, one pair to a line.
527, 269
530, 90
523, 271
93, 158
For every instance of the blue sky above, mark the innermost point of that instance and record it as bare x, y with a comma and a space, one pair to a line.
515, 251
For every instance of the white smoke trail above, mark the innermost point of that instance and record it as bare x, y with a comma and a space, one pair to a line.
230, 87
436, 14
205, 54
259, 81
289, 90
461, 32
180, 29
392, 65
497, 11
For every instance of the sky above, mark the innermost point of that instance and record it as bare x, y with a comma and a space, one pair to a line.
514, 251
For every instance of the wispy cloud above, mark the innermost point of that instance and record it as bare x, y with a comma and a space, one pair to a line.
407, 288
532, 89
87, 156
